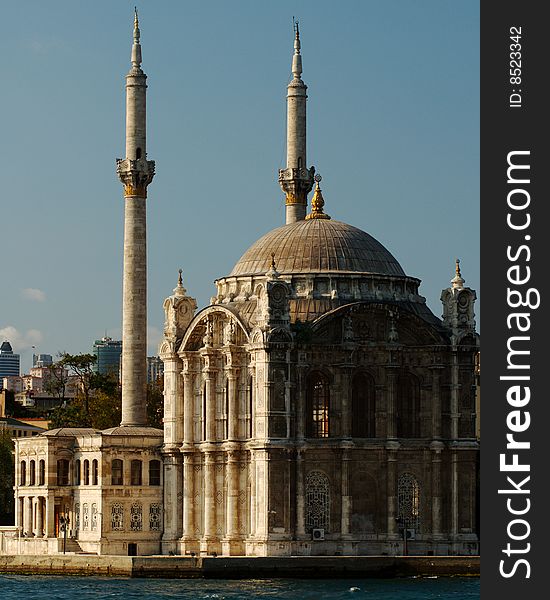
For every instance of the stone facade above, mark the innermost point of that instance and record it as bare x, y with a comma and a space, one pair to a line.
107, 486
327, 435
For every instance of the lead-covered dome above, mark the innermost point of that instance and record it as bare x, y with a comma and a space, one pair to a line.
316, 246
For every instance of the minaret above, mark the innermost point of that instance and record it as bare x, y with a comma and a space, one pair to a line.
296, 180
136, 173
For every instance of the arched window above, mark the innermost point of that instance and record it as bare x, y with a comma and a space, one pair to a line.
154, 472
77, 472
32, 473
317, 501
42, 472
23, 478
94, 472
135, 472
138, 153
318, 404
363, 406
62, 471
116, 472
408, 498
408, 407
86, 472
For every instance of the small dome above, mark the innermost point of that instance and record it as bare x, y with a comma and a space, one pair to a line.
318, 245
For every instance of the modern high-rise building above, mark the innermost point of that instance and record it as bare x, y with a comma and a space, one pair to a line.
10, 362
108, 353
155, 369
42, 360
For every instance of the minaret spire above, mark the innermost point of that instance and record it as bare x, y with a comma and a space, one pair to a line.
136, 47
296, 180
135, 173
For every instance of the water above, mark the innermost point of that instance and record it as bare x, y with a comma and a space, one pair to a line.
103, 588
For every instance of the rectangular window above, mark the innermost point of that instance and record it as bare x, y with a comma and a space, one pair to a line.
116, 472
154, 472
135, 472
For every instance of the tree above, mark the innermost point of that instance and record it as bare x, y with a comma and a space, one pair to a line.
155, 405
81, 365
7, 478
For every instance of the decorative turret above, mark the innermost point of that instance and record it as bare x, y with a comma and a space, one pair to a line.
458, 305
135, 173
296, 180
179, 309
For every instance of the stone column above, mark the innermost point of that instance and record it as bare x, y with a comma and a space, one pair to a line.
436, 403
391, 383
188, 496
50, 520
27, 523
210, 409
20, 513
300, 405
40, 517
232, 515
436, 448
188, 412
454, 493
34, 526
345, 492
252, 507
391, 492
172, 499
300, 495
345, 380
455, 388
173, 430
233, 412
209, 496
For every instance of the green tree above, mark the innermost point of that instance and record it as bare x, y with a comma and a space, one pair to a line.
155, 405
7, 479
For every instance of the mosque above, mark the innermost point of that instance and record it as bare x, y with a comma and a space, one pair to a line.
315, 407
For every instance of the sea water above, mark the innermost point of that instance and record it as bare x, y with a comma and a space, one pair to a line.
28, 587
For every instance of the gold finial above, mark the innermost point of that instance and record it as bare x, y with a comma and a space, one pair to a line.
180, 280
457, 269
317, 202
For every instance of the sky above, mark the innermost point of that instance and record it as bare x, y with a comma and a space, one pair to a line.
393, 128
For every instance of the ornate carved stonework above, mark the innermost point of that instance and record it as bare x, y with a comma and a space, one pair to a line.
136, 175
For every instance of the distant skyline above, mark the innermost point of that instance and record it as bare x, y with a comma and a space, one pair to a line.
393, 128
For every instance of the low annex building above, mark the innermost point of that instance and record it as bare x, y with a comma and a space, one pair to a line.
315, 407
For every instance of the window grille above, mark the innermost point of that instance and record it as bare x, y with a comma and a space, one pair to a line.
154, 517
117, 517
94, 517
317, 501
136, 517
85, 516
408, 493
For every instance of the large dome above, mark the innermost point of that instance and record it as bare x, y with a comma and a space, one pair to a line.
318, 245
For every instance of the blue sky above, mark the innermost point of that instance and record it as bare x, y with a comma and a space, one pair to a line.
393, 118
